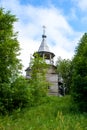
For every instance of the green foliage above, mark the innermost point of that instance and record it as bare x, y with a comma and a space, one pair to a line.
10, 65
15, 95
21, 94
5, 98
9, 48
38, 90
38, 67
79, 77
64, 70
53, 115
38, 78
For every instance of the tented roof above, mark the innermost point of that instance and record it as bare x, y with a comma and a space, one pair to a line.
43, 47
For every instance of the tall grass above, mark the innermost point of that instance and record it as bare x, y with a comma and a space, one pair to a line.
55, 114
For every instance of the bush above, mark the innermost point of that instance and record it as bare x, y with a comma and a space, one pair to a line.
6, 101
79, 91
39, 90
21, 93
15, 95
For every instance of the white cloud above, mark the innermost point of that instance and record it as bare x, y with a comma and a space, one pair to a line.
82, 4
61, 35
72, 15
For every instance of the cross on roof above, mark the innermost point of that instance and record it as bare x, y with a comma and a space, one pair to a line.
44, 27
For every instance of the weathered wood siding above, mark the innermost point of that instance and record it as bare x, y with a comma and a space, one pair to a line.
52, 78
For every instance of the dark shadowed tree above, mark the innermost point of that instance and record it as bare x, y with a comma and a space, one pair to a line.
79, 75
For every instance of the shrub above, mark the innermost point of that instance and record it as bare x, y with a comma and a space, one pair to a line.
15, 95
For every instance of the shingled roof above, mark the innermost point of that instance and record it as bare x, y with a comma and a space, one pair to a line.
43, 47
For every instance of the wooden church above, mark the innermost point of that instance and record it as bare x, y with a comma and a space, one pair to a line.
51, 75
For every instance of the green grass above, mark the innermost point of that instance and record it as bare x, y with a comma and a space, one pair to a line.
56, 114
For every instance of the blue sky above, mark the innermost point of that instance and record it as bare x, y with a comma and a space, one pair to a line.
67, 6
65, 21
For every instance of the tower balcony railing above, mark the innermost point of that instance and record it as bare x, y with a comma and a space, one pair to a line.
51, 62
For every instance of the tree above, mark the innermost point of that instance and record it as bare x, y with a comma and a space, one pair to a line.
38, 81
79, 76
64, 70
10, 65
9, 48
